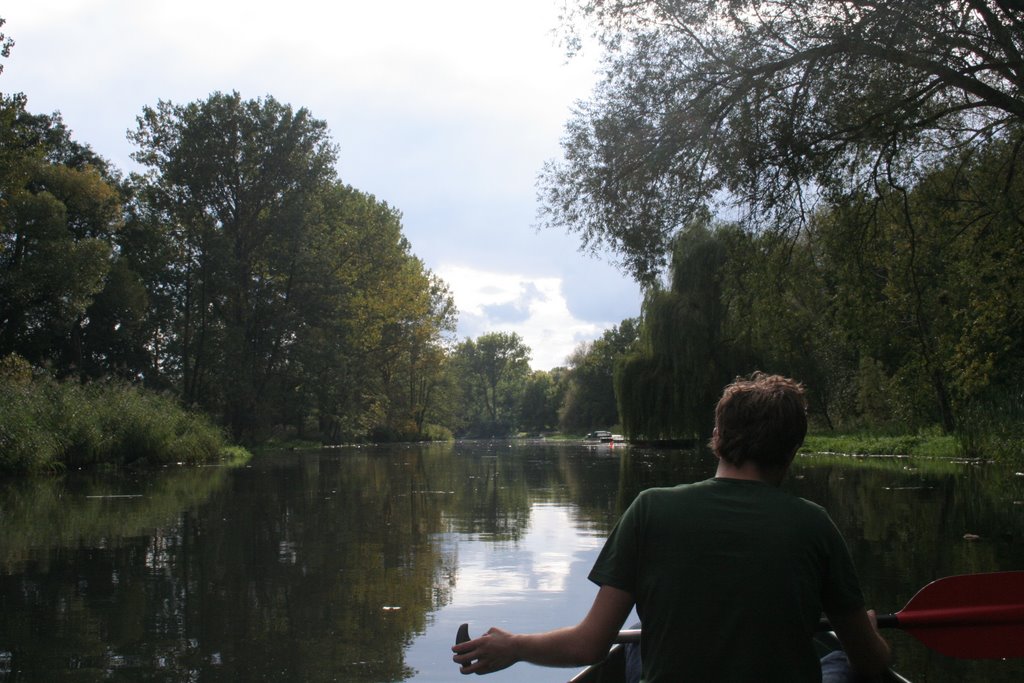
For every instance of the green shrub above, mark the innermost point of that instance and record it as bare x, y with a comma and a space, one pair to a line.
234, 454
26, 444
49, 425
993, 428
433, 432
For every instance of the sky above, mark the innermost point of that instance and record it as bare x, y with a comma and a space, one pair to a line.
444, 109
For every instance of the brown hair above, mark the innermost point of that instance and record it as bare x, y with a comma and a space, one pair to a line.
762, 419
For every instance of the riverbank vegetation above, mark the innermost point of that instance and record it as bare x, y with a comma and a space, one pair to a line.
873, 249
928, 445
48, 425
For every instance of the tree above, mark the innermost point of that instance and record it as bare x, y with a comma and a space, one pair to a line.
427, 355
280, 297
930, 294
542, 398
590, 401
667, 386
5, 44
770, 105
492, 371
59, 214
783, 310
420, 315
369, 325
235, 180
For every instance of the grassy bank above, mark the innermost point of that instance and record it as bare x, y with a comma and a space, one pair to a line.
49, 426
922, 445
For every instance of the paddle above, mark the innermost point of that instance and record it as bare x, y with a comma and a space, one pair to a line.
973, 616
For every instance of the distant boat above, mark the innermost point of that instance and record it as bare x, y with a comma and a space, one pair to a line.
604, 437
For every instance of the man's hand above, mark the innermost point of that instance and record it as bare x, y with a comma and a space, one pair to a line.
584, 643
493, 651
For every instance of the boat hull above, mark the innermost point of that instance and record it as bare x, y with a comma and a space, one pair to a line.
613, 668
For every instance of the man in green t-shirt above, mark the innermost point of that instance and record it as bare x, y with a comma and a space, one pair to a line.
729, 575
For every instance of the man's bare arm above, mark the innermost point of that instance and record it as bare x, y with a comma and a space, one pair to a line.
584, 643
867, 650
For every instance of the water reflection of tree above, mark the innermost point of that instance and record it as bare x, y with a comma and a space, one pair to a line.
44, 515
78, 553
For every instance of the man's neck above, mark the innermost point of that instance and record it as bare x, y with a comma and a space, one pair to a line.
748, 471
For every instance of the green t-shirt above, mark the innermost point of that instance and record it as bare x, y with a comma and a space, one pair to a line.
730, 578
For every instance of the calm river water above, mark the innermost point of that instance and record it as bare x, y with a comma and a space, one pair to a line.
358, 564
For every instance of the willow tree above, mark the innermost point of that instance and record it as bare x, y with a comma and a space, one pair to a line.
667, 387
769, 106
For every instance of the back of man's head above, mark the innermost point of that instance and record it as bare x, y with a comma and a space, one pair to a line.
762, 420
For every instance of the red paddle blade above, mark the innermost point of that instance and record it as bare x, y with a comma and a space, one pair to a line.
974, 616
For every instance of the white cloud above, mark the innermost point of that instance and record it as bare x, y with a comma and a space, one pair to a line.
533, 307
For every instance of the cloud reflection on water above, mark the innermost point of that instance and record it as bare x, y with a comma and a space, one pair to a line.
540, 562
535, 583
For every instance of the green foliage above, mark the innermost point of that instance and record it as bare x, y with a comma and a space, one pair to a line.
767, 106
58, 216
50, 425
543, 395
590, 401
237, 273
15, 370
5, 44
993, 426
669, 385
931, 445
235, 181
900, 313
432, 432
491, 374
898, 299
27, 441
234, 455
241, 276
925, 282
371, 327
282, 301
